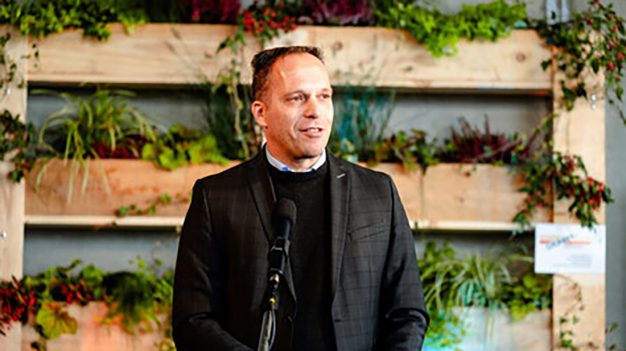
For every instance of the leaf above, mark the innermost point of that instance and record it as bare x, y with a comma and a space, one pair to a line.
54, 320
122, 211
595, 65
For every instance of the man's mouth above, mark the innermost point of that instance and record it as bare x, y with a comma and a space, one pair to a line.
312, 130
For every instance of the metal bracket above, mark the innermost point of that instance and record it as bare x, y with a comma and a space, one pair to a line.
557, 11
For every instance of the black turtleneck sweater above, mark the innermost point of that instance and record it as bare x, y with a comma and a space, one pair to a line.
309, 256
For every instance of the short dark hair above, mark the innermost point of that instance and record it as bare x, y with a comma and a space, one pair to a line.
263, 61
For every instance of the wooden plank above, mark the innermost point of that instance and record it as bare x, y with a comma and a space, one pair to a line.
176, 222
168, 54
493, 329
581, 132
391, 58
580, 296
454, 193
91, 335
105, 221
11, 194
446, 198
466, 225
104, 195
161, 54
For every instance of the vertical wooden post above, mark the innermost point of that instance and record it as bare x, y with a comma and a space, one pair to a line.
581, 132
12, 98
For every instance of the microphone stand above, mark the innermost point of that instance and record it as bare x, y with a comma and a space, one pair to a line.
268, 327
277, 258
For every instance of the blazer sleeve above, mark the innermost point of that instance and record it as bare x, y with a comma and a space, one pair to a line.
199, 284
404, 318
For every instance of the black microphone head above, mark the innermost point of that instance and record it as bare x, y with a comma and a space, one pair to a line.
285, 209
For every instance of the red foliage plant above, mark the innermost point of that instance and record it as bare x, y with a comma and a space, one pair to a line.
340, 12
214, 11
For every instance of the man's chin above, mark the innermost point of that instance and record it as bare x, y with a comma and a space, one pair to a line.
309, 155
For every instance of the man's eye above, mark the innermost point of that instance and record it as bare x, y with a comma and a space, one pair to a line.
296, 98
325, 96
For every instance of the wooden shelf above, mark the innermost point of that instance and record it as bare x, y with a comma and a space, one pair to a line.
448, 197
177, 222
180, 54
465, 226
104, 221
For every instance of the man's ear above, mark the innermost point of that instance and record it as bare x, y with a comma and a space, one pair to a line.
258, 111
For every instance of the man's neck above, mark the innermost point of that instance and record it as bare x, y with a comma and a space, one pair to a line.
299, 165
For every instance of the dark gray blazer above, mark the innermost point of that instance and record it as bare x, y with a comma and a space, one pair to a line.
220, 282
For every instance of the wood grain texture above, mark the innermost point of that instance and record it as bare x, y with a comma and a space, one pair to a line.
161, 54
111, 184
175, 54
493, 329
581, 132
460, 193
93, 336
12, 98
391, 58
448, 193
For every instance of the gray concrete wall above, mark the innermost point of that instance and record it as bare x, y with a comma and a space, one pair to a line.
616, 219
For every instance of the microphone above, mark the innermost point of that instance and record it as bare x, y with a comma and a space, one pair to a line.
284, 219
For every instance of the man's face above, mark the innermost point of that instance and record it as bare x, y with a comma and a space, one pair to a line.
297, 109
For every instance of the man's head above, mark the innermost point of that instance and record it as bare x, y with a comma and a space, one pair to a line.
293, 103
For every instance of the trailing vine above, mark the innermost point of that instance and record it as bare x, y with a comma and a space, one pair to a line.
41, 18
135, 300
547, 175
161, 201
593, 40
9, 66
440, 33
568, 178
264, 22
17, 141
569, 319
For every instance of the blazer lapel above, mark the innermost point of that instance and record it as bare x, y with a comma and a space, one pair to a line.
265, 199
339, 208
263, 194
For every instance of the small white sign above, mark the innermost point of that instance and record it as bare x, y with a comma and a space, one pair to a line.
569, 248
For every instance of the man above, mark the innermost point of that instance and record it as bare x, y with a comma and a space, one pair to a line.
351, 281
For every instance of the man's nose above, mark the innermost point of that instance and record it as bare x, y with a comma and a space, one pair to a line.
312, 108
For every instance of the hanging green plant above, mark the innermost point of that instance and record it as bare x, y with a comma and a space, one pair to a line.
410, 149
39, 18
593, 40
488, 281
470, 144
361, 119
568, 178
532, 293
135, 299
264, 22
161, 201
440, 33
9, 66
78, 130
17, 140
182, 146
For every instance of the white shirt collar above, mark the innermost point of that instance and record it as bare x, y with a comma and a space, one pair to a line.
284, 168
